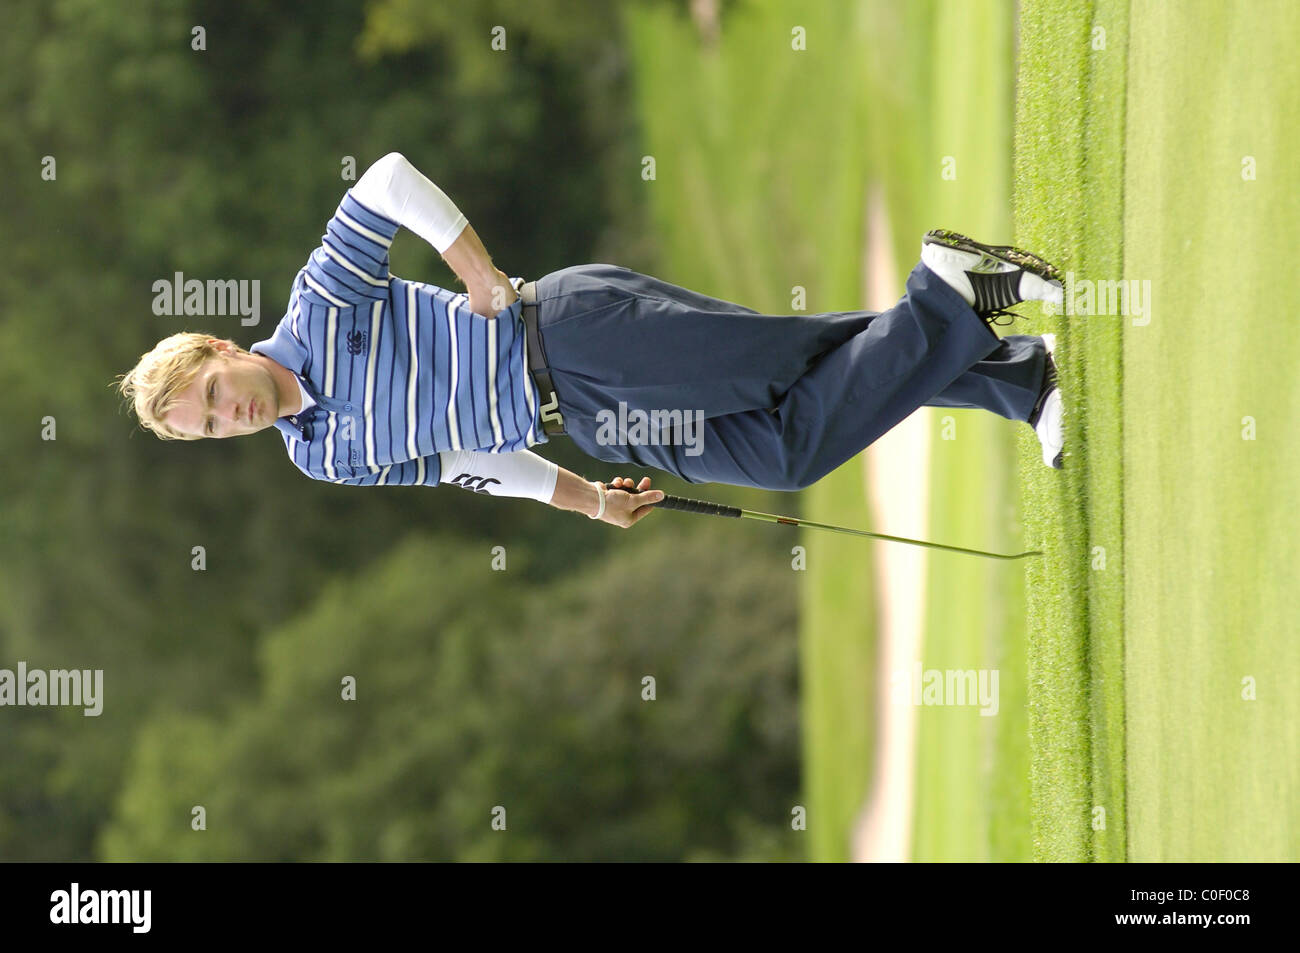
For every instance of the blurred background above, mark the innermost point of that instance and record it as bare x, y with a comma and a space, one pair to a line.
792, 145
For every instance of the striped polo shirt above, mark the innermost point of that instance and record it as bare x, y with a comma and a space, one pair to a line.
399, 370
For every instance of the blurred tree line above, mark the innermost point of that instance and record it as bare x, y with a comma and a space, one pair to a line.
476, 688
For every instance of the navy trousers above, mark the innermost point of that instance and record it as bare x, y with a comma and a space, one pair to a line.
782, 400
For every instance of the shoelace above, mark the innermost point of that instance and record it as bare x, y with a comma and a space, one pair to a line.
988, 317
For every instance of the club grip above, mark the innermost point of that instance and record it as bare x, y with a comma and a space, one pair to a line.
694, 506
698, 506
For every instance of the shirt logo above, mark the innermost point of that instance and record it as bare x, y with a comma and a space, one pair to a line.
467, 482
357, 342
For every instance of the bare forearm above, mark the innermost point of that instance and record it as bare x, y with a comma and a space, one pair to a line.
470, 261
574, 493
488, 287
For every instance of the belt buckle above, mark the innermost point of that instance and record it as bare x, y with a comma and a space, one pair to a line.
552, 419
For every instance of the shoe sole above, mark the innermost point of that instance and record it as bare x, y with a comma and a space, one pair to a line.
1017, 256
1050, 341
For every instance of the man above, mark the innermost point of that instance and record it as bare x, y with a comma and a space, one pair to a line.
373, 380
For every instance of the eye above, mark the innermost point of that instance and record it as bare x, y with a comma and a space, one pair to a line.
212, 393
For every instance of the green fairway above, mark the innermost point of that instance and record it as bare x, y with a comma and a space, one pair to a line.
1068, 202
972, 795
1210, 516
1160, 601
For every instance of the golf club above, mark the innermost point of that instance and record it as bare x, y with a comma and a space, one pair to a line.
719, 509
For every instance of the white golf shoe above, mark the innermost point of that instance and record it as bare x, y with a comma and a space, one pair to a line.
991, 278
1048, 412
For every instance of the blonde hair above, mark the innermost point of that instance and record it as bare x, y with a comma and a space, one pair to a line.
153, 386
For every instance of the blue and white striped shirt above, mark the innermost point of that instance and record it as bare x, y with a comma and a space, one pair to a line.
400, 370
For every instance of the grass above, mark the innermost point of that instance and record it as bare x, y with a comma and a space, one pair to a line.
1155, 607
1210, 515
971, 795
1068, 206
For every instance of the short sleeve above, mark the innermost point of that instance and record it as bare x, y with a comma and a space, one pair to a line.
351, 265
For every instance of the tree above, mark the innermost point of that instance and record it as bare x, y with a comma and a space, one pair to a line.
465, 704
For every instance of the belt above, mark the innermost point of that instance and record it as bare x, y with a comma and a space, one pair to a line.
552, 421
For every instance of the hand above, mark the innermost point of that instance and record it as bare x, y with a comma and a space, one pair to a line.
623, 508
491, 298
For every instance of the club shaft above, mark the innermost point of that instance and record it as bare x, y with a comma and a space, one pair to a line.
721, 509
791, 521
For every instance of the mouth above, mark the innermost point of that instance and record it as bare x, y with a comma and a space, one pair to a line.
252, 410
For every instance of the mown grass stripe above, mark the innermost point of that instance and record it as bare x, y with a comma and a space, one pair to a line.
1068, 207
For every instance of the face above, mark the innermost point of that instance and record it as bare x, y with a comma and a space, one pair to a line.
217, 403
